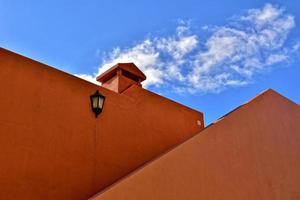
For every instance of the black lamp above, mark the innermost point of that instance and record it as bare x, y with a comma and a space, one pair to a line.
97, 101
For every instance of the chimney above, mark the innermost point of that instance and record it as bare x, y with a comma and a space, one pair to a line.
121, 76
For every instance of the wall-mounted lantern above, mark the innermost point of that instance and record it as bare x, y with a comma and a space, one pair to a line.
97, 101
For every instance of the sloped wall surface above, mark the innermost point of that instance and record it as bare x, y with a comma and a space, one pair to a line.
52, 146
251, 153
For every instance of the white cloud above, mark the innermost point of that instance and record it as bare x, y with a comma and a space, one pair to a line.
179, 45
296, 47
242, 51
263, 16
143, 55
275, 58
147, 55
230, 57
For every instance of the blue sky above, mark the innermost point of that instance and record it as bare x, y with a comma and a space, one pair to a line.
209, 55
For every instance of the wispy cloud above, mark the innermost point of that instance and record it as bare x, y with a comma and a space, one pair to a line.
231, 56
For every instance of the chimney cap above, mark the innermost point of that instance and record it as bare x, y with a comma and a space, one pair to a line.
128, 67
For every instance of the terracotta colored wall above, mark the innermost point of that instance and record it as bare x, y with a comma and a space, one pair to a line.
252, 153
52, 146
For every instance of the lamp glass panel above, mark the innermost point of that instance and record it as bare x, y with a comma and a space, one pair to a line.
100, 102
95, 102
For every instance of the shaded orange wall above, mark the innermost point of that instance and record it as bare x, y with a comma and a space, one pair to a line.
252, 153
52, 146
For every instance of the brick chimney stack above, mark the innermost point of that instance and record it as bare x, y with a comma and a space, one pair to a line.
121, 76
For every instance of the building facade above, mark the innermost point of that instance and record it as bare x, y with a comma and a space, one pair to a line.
53, 147
142, 145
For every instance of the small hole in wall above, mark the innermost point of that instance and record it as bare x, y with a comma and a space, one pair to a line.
199, 123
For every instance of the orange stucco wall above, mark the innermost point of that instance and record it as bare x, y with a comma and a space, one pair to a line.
52, 146
251, 153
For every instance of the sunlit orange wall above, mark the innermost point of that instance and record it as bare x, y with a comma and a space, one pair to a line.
253, 153
52, 146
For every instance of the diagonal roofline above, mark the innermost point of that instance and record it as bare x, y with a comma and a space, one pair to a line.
46, 65
252, 100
